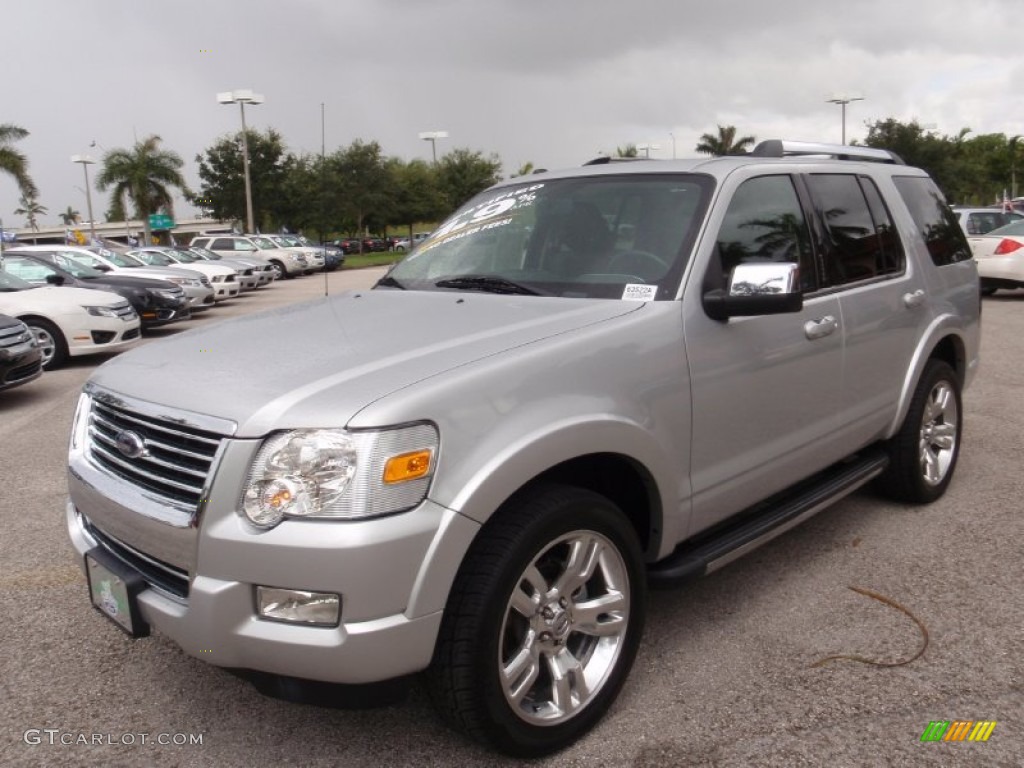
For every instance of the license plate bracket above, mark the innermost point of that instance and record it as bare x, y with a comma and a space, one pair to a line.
114, 590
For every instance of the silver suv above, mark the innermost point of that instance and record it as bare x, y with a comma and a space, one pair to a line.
578, 385
285, 263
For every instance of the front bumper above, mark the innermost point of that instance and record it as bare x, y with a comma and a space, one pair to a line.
103, 335
226, 290
20, 365
393, 575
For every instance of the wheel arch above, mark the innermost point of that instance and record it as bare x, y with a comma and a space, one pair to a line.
944, 341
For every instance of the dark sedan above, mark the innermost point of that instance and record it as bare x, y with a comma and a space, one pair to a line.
21, 359
157, 302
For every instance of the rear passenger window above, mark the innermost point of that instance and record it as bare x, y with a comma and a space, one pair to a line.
864, 241
934, 219
222, 244
765, 222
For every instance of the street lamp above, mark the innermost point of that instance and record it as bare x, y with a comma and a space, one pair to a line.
432, 137
86, 161
243, 97
673, 137
843, 100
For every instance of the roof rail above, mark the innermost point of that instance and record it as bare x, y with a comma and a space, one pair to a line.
605, 159
778, 148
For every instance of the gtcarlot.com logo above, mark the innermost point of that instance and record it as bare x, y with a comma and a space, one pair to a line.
57, 737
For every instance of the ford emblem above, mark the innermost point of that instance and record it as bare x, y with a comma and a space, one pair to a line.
130, 444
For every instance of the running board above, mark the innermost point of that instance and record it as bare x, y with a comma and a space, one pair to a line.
766, 520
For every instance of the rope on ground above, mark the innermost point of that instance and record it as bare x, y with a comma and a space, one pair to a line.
873, 662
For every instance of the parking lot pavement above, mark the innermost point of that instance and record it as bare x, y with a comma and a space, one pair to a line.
724, 676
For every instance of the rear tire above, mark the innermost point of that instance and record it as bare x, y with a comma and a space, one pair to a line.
49, 337
923, 454
543, 622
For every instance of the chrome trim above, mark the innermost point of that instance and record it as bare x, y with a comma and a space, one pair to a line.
202, 421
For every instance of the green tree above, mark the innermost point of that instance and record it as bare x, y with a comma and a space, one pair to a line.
725, 143
358, 186
417, 193
524, 170
70, 216
629, 150
13, 162
145, 174
116, 211
31, 209
222, 176
463, 173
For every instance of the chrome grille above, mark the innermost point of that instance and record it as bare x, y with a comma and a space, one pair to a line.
14, 335
174, 464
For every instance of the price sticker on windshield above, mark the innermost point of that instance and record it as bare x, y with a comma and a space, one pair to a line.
639, 292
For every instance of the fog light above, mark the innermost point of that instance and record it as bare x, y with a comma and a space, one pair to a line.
298, 606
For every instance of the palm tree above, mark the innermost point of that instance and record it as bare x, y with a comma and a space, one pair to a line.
629, 150
14, 162
70, 216
30, 209
725, 143
143, 174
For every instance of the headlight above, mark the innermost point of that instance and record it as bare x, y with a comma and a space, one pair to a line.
100, 311
333, 473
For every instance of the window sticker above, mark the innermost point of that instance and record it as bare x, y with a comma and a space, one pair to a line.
639, 292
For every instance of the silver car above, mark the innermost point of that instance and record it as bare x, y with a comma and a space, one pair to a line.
580, 383
254, 273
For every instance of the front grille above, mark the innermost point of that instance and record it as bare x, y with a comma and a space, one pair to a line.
23, 372
14, 335
174, 464
154, 572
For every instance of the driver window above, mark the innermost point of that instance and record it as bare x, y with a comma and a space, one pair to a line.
765, 222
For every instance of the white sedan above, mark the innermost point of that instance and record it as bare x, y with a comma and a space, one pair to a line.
223, 279
1000, 257
68, 322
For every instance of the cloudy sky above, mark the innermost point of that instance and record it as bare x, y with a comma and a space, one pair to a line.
553, 82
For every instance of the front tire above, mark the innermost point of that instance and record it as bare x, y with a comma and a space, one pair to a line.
923, 454
543, 622
51, 342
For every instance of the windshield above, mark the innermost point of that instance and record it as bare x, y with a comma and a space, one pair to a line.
154, 259
35, 271
613, 237
184, 256
263, 243
204, 253
10, 283
115, 258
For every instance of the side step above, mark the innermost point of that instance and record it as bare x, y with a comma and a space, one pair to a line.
766, 520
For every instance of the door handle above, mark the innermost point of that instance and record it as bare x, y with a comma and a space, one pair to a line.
817, 329
915, 299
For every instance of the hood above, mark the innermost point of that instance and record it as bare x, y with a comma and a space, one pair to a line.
317, 364
55, 299
158, 273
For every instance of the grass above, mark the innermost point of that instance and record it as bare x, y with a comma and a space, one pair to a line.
356, 261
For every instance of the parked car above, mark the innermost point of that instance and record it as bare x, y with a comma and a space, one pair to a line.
157, 302
1000, 257
315, 256
286, 263
348, 245
68, 322
21, 359
223, 279
374, 244
258, 272
196, 286
405, 244
581, 382
980, 221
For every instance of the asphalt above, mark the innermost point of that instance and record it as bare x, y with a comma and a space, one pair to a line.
725, 674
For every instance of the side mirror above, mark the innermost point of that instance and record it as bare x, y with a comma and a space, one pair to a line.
102, 267
55, 279
760, 288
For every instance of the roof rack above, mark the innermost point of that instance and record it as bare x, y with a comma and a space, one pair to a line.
778, 148
604, 159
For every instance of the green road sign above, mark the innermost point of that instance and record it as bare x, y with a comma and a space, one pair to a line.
160, 221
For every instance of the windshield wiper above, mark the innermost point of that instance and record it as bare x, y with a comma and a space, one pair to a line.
486, 283
389, 282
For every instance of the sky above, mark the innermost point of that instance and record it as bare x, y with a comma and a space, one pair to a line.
551, 82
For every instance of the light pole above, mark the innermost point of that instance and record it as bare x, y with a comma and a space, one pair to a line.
243, 97
673, 137
86, 161
432, 137
843, 100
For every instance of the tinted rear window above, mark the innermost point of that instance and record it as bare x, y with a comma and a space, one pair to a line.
934, 219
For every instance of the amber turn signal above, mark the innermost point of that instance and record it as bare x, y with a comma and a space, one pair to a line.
407, 466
